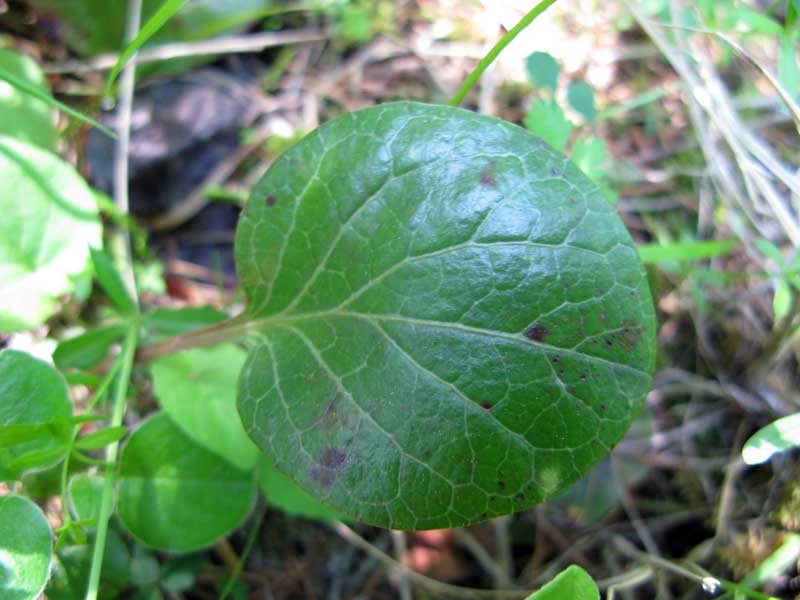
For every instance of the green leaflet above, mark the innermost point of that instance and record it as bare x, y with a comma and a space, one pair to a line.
49, 221
25, 549
174, 494
448, 321
35, 412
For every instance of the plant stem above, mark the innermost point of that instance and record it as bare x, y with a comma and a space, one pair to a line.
251, 538
225, 331
487, 60
118, 411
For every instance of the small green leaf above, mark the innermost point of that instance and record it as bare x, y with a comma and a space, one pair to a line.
174, 494
573, 583
454, 327
26, 549
49, 221
101, 438
748, 20
32, 393
197, 389
284, 494
169, 322
85, 492
145, 570
581, 97
591, 156
782, 300
770, 250
778, 436
156, 22
109, 279
87, 350
684, 251
547, 120
179, 573
23, 116
543, 70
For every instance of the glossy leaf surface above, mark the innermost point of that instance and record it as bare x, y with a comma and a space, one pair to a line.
779, 436
35, 412
49, 221
448, 321
25, 549
174, 494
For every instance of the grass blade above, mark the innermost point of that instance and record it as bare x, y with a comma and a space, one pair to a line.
156, 22
684, 251
26, 88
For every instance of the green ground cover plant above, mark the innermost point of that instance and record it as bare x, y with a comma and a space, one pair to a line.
445, 322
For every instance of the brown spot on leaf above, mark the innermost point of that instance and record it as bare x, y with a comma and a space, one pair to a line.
501, 485
487, 175
330, 464
536, 332
271, 200
486, 406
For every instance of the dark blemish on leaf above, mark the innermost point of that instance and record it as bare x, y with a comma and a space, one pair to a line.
484, 515
271, 200
330, 464
554, 171
602, 408
555, 359
583, 376
536, 332
572, 199
487, 175
609, 343
561, 371
501, 485
519, 497
492, 498
629, 336
486, 406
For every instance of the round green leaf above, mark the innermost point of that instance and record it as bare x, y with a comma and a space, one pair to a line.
49, 221
26, 548
21, 115
196, 389
543, 70
448, 321
85, 494
34, 414
174, 494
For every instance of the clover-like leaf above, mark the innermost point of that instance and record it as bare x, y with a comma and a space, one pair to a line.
173, 494
25, 549
448, 321
35, 412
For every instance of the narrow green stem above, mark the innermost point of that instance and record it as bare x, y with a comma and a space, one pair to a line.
118, 411
487, 60
98, 395
251, 538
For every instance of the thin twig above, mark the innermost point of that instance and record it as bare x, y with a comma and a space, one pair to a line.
399, 544
121, 239
234, 44
432, 585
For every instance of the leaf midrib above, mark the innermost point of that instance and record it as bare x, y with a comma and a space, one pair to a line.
259, 325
